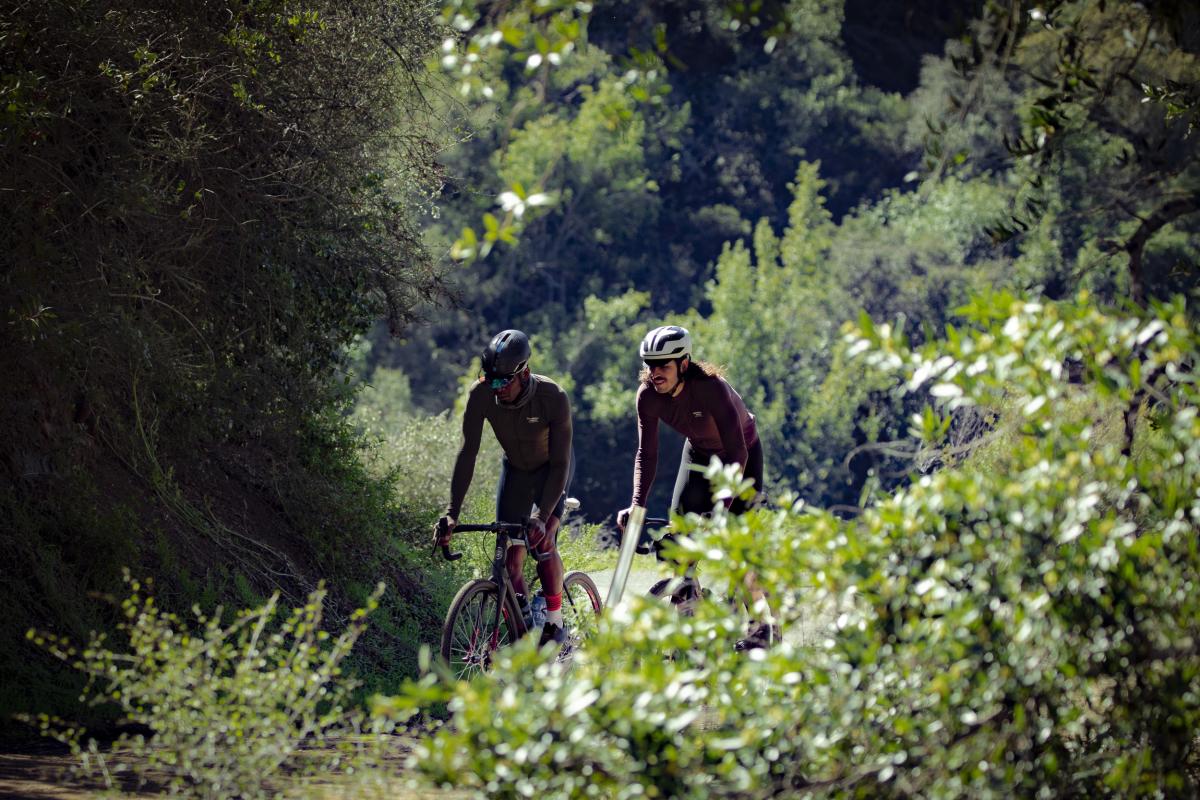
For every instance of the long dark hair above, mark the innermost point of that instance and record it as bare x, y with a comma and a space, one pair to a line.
696, 371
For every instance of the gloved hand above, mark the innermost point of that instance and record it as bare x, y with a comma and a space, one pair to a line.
623, 517
443, 529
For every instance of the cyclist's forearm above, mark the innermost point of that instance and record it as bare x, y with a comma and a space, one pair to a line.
561, 435
464, 470
464, 462
733, 442
645, 461
556, 483
645, 465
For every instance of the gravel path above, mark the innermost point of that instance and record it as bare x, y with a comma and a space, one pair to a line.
640, 580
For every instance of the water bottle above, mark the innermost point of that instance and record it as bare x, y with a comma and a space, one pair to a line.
538, 612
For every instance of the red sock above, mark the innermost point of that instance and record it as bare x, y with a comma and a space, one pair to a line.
554, 602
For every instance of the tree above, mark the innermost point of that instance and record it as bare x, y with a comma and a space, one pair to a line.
657, 137
204, 204
1106, 113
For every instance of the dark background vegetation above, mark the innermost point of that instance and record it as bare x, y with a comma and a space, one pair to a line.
224, 219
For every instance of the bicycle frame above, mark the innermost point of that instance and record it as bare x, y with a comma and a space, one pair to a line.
507, 534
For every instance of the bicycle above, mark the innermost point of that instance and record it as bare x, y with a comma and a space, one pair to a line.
684, 592
485, 614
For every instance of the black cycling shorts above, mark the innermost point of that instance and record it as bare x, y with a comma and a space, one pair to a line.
519, 491
693, 492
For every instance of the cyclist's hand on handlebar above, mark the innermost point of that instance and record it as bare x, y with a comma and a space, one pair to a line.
443, 530
535, 532
623, 517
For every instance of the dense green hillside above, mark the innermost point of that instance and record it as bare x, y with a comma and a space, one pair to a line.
203, 206
766, 173
252, 250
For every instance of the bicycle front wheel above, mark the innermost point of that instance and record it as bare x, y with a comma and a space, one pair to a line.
471, 634
581, 606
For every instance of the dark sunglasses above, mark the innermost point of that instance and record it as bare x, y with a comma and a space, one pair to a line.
657, 364
500, 383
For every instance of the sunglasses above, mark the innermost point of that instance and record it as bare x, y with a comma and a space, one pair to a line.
500, 383
659, 364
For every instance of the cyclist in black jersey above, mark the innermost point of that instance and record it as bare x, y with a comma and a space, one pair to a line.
531, 418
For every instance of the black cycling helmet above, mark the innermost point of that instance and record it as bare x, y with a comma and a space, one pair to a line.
506, 355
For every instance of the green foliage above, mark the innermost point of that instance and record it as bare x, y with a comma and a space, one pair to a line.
230, 704
772, 320
214, 206
206, 206
917, 255
417, 452
595, 358
1018, 627
1095, 105
546, 45
657, 141
59, 554
383, 405
781, 304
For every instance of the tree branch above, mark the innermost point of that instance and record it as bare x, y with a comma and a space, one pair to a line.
1151, 225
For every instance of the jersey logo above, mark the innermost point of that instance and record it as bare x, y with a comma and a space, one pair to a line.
533, 419
697, 413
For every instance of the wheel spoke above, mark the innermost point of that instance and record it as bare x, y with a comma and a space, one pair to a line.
471, 640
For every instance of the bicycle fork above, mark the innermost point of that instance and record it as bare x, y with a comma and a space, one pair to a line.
507, 605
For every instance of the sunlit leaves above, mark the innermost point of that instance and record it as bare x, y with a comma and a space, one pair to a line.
516, 201
230, 702
536, 34
1019, 624
470, 246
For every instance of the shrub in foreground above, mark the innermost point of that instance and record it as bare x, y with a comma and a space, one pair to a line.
229, 705
1024, 629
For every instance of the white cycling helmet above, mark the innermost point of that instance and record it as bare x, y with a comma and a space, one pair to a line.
668, 341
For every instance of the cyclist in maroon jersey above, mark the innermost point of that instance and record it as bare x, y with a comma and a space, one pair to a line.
694, 398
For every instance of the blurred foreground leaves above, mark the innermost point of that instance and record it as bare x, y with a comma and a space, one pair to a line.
1021, 623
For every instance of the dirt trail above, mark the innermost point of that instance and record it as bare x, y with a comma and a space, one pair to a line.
41, 773
44, 773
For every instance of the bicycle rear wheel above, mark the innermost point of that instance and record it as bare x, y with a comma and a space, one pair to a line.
470, 635
581, 606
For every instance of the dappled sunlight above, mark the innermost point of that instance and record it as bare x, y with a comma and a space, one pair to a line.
958, 616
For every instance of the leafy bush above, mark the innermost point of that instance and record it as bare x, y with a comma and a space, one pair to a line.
240, 189
229, 704
1024, 629
205, 204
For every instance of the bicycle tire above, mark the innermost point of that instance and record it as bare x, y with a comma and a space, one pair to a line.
469, 640
581, 606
